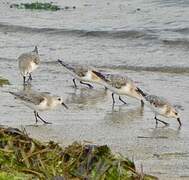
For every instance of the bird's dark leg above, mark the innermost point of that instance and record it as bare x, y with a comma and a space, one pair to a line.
160, 121
113, 99
36, 120
74, 83
90, 86
142, 103
30, 77
180, 124
24, 79
42, 119
156, 120
122, 100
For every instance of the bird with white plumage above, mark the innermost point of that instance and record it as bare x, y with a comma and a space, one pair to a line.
27, 63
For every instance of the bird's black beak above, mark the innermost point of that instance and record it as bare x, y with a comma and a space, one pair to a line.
65, 105
178, 119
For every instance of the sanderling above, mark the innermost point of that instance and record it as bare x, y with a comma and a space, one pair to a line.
80, 72
38, 101
161, 107
28, 62
120, 85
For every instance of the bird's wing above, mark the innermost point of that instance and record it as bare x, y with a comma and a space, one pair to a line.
27, 57
79, 70
113, 79
118, 81
29, 97
156, 101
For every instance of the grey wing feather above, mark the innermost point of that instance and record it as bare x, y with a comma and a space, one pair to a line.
100, 75
112, 79
77, 69
66, 65
28, 97
80, 70
157, 101
27, 57
117, 80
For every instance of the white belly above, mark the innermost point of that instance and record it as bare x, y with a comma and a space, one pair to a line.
41, 107
125, 90
25, 70
33, 66
157, 110
87, 77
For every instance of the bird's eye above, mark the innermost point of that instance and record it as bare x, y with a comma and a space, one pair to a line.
176, 113
59, 99
155, 104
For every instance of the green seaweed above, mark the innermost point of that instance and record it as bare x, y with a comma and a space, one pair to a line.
14, 176
22, 157
36, 6
4, 81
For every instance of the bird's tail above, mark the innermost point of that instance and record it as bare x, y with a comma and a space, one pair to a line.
13, 93
65, 65
100, 75
5, 91
68, 68
141, 92
35, 50
62, 63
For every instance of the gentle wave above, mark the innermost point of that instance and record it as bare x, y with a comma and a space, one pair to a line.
144, 34
181, 30
176, 42
165, 69
93, 33
15, 28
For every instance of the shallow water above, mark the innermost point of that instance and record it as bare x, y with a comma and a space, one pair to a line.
150, 45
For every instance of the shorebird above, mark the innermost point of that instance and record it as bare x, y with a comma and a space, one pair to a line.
27, 63
38, 101
162, 107
120, 85
80, 72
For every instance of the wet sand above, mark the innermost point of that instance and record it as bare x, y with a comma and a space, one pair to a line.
127, 129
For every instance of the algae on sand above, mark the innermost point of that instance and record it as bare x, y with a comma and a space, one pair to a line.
4, 81
22, 157
36, 6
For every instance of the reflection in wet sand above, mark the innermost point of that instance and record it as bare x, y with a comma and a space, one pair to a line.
164, 132
124, 115
160, 133
85, 96
27, 87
